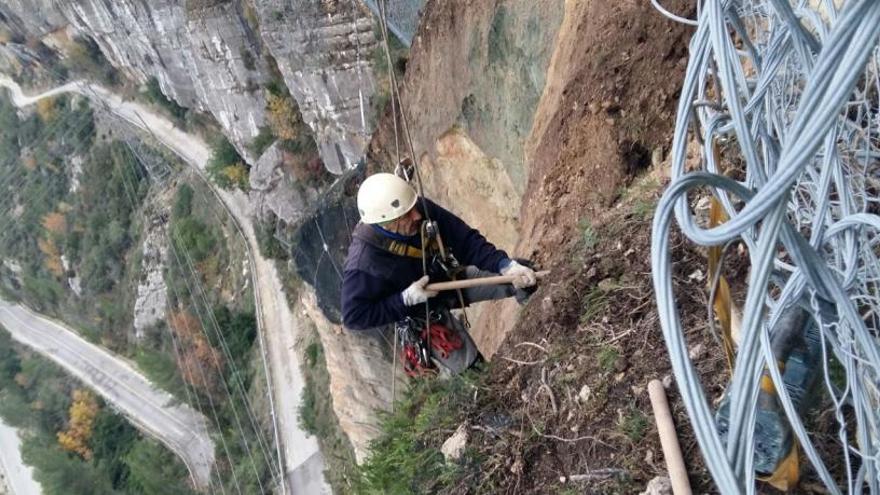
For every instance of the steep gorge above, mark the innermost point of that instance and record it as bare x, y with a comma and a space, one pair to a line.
217, 56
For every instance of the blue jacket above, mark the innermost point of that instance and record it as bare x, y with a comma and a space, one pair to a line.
373, 278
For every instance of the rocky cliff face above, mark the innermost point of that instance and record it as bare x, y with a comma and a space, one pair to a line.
209, 55
275, 192
474, 114
203, 56
323, 51
36, 17
228, 72
151, 302
360, 376
474, 85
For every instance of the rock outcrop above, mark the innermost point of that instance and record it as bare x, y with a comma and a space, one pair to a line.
34, 17
360, 376
275, 193
228, 72
323, 50
202, 56
151, 303
140, 39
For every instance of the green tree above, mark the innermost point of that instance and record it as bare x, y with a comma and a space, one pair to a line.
191, 235
226, 167
155, 95
183, 201
60, 473
153, 470
112, 439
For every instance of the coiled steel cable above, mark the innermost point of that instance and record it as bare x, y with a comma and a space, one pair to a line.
793, 89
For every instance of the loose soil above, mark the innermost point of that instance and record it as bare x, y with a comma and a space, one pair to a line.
570, 379
569, 382
566, 393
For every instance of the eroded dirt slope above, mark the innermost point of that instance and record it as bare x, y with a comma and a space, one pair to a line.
589, 338
565, 392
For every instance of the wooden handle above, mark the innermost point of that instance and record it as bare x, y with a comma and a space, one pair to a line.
478, 282
668, 439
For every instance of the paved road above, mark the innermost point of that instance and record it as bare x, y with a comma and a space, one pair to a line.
18, 477
157, 413
277, 324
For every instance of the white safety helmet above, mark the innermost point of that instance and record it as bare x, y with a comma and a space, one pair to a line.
384, 197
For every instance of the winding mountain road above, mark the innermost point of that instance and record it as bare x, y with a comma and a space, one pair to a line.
303, 463
176, 425
17, 477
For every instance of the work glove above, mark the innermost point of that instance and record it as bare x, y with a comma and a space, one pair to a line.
525, 276
416, 293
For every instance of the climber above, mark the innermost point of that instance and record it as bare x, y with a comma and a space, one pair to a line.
384, 277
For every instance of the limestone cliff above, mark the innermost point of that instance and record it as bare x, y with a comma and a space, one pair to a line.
323, 51
275, 192
360, 376
228, 72
151, 303
209, 55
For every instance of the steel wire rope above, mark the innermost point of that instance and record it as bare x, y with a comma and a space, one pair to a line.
47, 133
224, 349
91, 118
28, 180
192, 398
129, 188
198, 362
251, 415
201, 370
224, 346
110, 111
174, 245
792, 121
278, 469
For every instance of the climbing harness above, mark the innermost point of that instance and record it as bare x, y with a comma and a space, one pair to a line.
369, 235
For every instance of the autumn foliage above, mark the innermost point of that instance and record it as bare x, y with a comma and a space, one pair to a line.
55, 222
47, 109
284, 117
52, 257
200, 364
82, 421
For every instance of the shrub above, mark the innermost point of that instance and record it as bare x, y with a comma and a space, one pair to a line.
183, 201
270, 247
227, 168
155, 95
263, 140
284, 117
193, 236
405, 458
